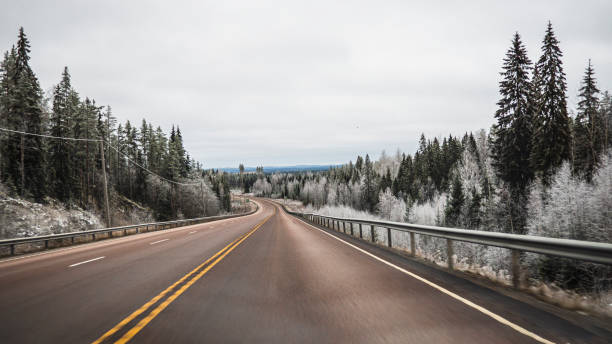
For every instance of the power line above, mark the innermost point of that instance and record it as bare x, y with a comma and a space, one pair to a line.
109, 145
146, 169
49, 136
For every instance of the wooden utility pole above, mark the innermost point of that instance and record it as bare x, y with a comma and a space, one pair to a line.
22, 165
108, 220
202, 195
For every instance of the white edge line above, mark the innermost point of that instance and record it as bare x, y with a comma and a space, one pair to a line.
87, 261
443, 290
193, 232
157, 242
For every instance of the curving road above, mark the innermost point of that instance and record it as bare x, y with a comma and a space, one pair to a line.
266, 277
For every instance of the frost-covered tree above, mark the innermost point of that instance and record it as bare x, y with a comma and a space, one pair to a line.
572, 208
390, 207
262, 187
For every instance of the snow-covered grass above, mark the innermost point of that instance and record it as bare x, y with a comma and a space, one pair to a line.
491, 263
21, 218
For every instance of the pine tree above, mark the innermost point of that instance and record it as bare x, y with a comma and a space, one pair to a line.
9, 143
183, 159
369, 188
386, 181
474, 210
59, 150
551, 136
27, 108
605, 112
589, 128
513, 131
23, 155
452, 213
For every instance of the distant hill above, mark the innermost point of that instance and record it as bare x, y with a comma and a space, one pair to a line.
285, 169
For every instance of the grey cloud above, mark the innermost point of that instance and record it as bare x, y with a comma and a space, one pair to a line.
278, 82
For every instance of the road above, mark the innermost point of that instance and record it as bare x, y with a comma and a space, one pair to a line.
265, 277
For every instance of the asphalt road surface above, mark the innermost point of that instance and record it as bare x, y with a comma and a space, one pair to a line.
265, 277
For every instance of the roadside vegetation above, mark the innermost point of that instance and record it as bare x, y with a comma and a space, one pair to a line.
542, 169
50, 155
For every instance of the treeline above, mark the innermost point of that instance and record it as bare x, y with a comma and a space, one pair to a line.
510, 179
143, 164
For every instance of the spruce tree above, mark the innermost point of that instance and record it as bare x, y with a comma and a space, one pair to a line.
26, 153
452, 213
386, 181
9, 143
605, 112
513, 131
59, 150
474, 210
589, 128
369, 188
551, 135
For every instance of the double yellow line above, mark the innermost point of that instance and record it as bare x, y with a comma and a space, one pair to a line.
216, 258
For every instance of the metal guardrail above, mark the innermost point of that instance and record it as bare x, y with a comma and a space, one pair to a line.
140, 228
575, 249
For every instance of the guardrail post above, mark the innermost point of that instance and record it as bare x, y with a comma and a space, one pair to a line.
372, 233
352, 233
360, 232
449, 253
125, 231
412, 245
344, 227
12, 249
46, 244
516, 269
389, 236
72, 240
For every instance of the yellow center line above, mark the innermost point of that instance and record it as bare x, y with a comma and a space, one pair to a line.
151, 302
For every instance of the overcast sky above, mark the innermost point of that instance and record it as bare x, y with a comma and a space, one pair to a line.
287, 82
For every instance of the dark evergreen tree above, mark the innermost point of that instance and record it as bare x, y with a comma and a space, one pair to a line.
589, 128
386, 182
9, 147
369, 189
474, 215
605, 112
24, 155
61, 122
452, 213
513, 131
551, 136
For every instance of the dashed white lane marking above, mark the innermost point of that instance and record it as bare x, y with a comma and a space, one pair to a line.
443, 290
193, 232
87, 261
158, 241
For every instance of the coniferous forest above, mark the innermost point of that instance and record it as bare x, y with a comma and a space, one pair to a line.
50, 148
542, 169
